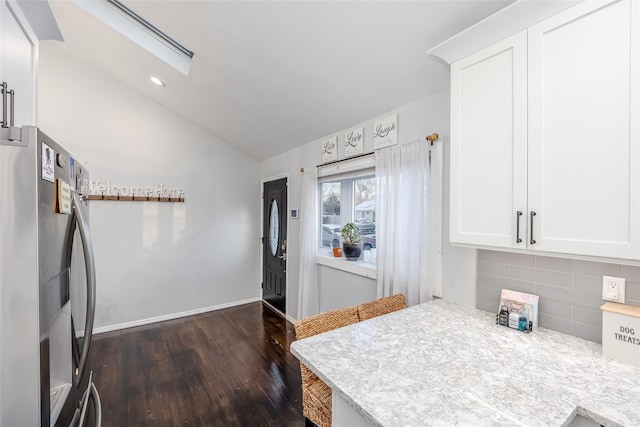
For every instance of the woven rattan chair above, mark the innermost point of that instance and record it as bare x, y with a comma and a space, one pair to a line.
381, 306
316, 395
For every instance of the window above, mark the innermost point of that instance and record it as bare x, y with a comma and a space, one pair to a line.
348, 196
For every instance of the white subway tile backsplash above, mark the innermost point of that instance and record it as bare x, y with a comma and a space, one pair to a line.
555, 308
486, 304
632, 290
632, 293
546, 277
570, 290
585, 268
507, 258
591, 316
501, 282
550, 263
569, 296
578, 329
488, 293
629, 272
592, 285
494, 268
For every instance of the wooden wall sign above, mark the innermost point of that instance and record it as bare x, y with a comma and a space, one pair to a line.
385, 132
330, 149
354, 142
104, 190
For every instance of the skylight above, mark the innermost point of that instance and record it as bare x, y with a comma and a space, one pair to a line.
137, 29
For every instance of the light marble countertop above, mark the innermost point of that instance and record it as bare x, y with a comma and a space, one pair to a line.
441, 363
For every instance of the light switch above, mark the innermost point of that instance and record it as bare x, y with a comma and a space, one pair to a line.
613, 289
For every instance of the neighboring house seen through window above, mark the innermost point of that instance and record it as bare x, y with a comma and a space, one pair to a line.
348, 198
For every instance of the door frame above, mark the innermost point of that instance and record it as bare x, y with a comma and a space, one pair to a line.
261, 202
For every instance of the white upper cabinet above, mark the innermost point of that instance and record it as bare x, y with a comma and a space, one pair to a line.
17, 63
489, 145
547, 123
583, 130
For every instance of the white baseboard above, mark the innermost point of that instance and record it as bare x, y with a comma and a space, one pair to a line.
291, 319
286, 316
142, 322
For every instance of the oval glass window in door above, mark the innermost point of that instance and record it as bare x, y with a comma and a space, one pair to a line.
274, 227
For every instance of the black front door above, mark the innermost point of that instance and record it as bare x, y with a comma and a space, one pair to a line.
274, 246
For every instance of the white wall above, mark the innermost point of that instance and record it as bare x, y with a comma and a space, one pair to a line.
338, 288
458, 264
154, 259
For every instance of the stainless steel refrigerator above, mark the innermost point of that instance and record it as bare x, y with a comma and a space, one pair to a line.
47, 285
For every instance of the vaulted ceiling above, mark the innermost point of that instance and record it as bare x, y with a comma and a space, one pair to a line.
271, 75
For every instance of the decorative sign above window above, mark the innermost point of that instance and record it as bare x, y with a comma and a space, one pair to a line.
385, 132
330, 149
354, 142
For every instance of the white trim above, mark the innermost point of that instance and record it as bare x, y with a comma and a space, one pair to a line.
356, 267
142, 322
366, 161
23, 22
278, 312
620, 261
140, 34
275, 177
261, 271
290, 319
275, 310
502, 24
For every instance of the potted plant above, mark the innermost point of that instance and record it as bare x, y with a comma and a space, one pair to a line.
351, 244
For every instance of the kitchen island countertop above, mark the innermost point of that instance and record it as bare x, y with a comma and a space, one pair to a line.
442, 363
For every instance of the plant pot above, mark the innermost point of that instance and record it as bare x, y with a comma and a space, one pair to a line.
352, 251
337, 252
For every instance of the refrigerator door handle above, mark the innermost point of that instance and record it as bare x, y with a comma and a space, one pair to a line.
97, 404
76, 418
90, 392
85, 401
87, 248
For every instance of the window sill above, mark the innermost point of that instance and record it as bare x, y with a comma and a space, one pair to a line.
360, 267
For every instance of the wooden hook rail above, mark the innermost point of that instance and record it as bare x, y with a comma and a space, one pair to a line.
118, 198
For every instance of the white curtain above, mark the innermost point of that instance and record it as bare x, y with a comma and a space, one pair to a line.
408, 221
308, 299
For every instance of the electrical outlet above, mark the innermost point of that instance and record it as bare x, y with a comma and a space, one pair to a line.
613, 289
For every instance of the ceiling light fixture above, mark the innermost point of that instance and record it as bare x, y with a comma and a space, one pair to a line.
137, 29
157, 81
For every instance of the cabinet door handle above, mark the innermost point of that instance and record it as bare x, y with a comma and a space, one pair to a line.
518, 215
3, 88
11, 111
532, 242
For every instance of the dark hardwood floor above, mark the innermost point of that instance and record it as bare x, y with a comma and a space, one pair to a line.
230, 367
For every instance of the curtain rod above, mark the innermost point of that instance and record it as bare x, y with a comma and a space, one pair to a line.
431, 138
344, 160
